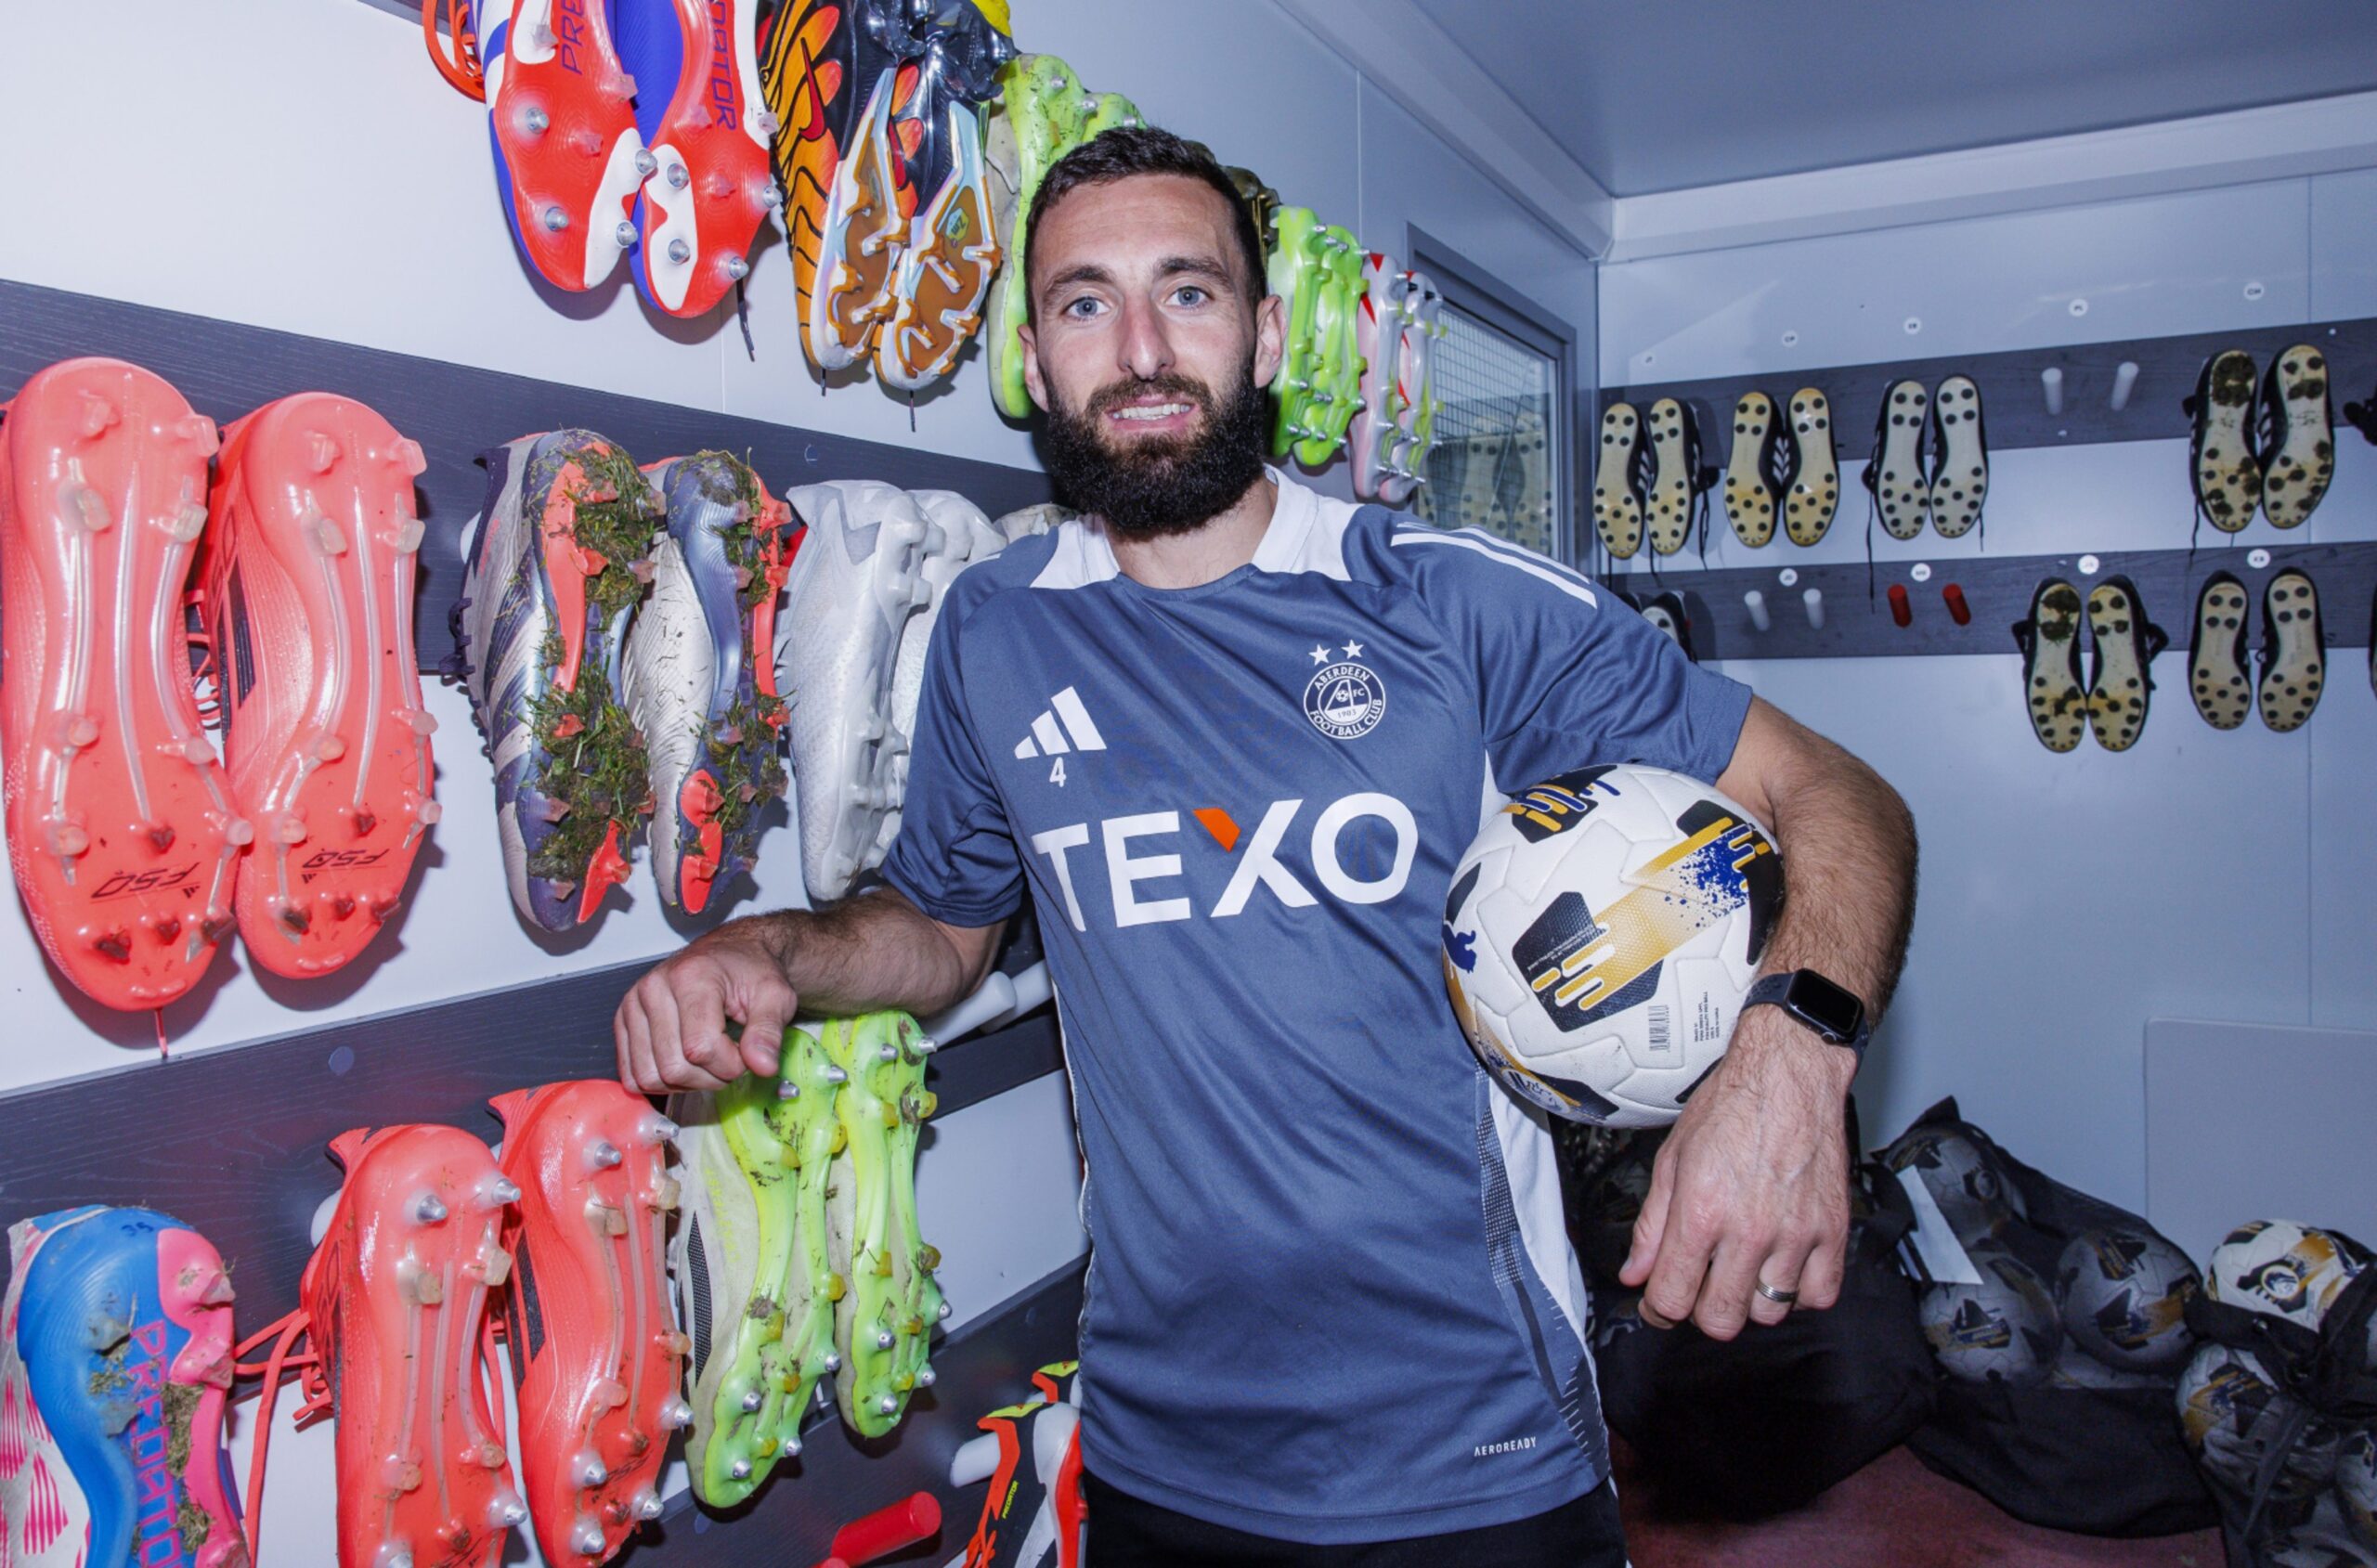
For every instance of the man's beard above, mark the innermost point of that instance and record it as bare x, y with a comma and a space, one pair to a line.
1157, 485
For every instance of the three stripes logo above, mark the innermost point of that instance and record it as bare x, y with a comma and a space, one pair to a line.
1063, 726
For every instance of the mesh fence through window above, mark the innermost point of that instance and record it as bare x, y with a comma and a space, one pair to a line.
1495, 465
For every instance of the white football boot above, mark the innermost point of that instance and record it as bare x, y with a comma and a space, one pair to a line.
1024, 521
855, 583
967, 536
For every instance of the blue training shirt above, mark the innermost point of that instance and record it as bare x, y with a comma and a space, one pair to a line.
1331, 1296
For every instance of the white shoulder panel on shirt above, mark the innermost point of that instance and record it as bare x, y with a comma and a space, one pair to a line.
1502, 550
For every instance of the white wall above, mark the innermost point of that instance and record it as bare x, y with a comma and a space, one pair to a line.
328, 182
2067, 900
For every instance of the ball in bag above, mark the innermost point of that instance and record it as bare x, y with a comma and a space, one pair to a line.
2003, 1329
1600, 935
2125, 1297
1969, 1193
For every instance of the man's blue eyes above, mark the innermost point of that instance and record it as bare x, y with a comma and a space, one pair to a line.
1189, 294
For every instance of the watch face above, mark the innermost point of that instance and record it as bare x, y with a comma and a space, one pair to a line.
1833, 1012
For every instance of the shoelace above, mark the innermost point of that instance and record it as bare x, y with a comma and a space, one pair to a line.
453, 47
275, 1367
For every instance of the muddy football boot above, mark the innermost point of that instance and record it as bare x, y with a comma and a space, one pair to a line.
553, 566
706, 130
699, 675
1042, 113
2049, 641
313, 548
952, 248
561, 111
121, 823
884, 1320
114, 1376
2297, 436
2222, 462
595, 1349
395, 1304
2123, 681
2216, 672
755, 1282
2294, 652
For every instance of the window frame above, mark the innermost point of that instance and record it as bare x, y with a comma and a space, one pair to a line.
1478, 291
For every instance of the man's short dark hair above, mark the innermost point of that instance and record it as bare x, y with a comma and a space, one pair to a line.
1127, 151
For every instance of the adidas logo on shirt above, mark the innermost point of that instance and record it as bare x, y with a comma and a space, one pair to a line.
1064, 725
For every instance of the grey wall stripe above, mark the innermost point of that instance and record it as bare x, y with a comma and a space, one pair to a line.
456, 412
234, 1141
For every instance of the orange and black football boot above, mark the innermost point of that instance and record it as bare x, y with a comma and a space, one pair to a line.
312, 547
121, 824
832, 71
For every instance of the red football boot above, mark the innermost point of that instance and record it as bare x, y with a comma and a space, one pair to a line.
596, 1352
121, 824
308, 607
394, 1306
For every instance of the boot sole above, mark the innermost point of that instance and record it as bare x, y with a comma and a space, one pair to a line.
2117, 697
2058, 704
1750, 499
2227, 477
2290, 686
120, 821
321, 490
1956, 496
2217, 676
1899, 488
1617, 514
2297, 477
1670, 517
1815, 492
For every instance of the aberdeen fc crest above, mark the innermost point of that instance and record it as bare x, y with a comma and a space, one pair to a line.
1345, 700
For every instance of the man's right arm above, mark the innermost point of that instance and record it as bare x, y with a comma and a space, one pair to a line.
871, 952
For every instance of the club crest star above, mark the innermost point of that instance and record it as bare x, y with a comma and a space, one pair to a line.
1319, 655
1353, 650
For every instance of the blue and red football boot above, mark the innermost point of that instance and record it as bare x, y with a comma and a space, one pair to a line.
705, 128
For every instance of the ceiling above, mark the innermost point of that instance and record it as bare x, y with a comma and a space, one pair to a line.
1658, 94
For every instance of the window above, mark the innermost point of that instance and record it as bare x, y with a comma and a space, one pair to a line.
1503, 374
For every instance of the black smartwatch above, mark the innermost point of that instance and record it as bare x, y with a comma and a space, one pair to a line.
1832, 1012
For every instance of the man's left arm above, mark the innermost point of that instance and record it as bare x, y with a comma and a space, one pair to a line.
1752, 1185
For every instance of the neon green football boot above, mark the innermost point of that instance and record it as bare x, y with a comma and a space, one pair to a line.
883, 1323
751, 1264
1336, 367
1042, 113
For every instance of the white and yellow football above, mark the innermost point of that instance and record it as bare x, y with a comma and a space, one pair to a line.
1599, 936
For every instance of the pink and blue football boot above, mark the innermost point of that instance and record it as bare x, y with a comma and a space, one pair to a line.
115, 1365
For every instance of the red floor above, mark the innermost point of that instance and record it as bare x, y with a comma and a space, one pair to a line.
1893, 1513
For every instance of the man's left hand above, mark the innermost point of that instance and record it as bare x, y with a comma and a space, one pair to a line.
1751, 1186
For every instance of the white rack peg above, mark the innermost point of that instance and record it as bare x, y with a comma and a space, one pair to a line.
2051, 382
1813, 600
2124, 378
1755, 603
